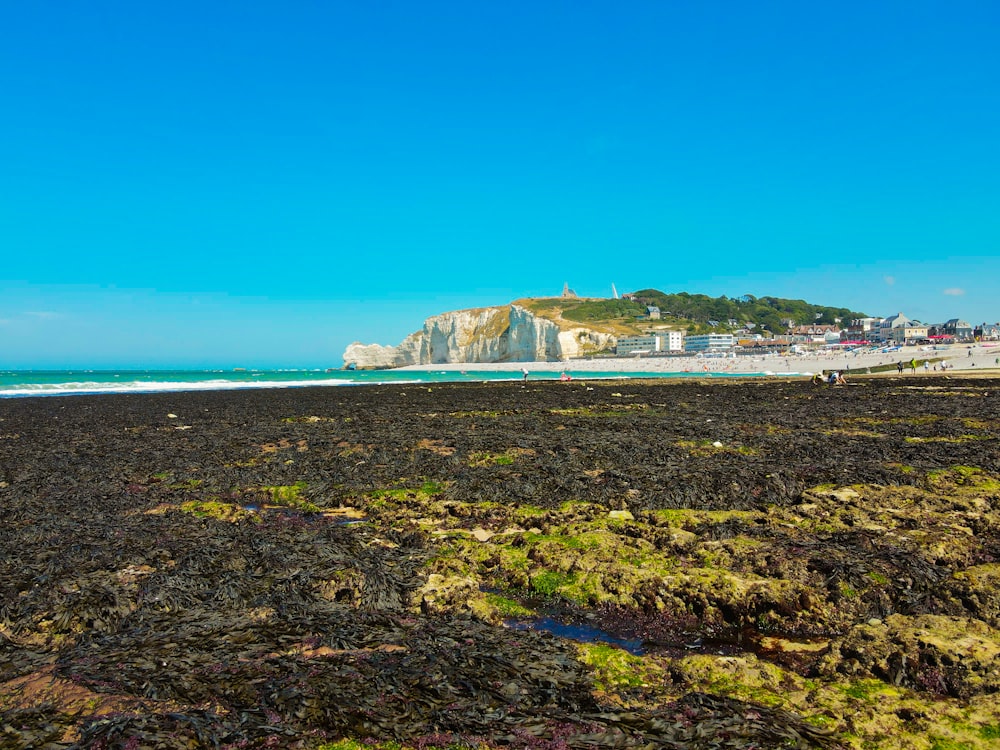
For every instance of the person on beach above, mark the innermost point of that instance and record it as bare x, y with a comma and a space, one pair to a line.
817, 379
913, 365
524, 372
899, 367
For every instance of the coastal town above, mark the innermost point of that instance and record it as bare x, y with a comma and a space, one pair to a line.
652, 331
870, 334
895, 344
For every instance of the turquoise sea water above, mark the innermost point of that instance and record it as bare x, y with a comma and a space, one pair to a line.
21, 383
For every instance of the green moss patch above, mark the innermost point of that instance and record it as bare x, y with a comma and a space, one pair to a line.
217, 510
291, 496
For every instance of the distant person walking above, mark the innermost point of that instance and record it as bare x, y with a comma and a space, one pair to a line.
899, 367
524, 372
913, 365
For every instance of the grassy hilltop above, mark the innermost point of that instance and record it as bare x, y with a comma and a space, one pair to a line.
692, 313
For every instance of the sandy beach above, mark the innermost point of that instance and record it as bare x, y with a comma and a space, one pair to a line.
960, 357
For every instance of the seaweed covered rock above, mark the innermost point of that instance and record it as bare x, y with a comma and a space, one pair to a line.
957, 656
978, 589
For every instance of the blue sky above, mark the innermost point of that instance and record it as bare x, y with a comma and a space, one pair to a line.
262, 183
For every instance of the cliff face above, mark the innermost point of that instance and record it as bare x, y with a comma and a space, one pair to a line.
489, 334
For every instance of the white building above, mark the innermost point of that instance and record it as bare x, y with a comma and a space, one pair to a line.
636, 345
666, 341
671, 341
709, 342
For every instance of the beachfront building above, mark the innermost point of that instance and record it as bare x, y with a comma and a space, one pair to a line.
814, 332
636, 345
886, 326
815, 335
671, 341
987, 332
957, 329
666, 341
707, 343
861, 329
909, 333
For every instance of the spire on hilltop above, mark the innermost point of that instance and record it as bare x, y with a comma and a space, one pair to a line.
567, 292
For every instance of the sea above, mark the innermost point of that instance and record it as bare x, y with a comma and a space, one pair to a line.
29, 383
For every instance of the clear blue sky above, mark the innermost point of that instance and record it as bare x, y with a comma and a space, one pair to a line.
261, 183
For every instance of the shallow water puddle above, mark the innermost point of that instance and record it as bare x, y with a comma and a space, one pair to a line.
576, 632
676, 643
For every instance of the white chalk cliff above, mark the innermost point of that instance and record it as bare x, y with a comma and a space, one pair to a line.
488, 334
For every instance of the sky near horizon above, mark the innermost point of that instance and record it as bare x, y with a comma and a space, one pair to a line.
260, 183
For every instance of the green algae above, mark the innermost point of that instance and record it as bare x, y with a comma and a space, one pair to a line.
409, 492
486, 458
665, 560
711, 448
218, 510
958, 439
616, 670
605, 411
551, 582
684, 518
507, 608
958, 478
291, 496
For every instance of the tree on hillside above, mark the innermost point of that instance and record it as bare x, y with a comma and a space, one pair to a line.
766, 312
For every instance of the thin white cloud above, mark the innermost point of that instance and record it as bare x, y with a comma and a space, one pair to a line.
954, 291
890, 280
43, 315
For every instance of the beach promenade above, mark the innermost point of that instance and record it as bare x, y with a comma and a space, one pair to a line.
957, 358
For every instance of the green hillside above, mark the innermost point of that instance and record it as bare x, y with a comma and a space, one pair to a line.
693, 313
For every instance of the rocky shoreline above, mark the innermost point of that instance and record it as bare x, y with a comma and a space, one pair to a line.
717, 564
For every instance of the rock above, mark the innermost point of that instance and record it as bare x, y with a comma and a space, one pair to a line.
489, 334
978, 588
958, 656
445, 594
621, 515
846, 495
